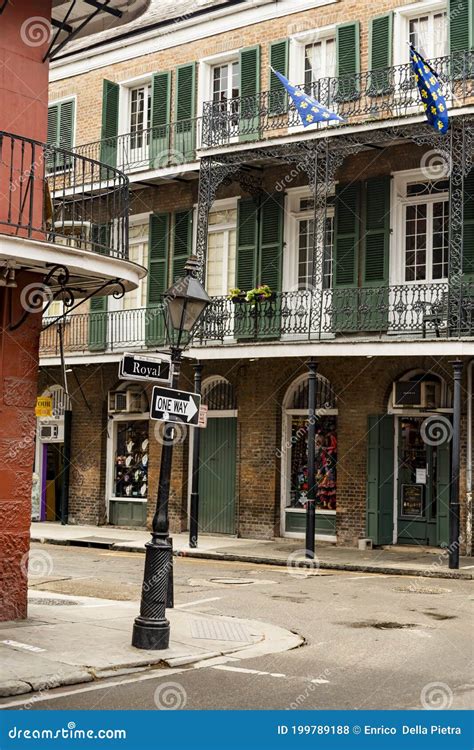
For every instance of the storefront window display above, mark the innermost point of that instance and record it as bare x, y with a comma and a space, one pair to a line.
325, 462
131, 459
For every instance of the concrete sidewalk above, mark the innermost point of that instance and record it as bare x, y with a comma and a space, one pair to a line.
429, 562
68, 640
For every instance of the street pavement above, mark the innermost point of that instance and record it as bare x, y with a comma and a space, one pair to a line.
371, 641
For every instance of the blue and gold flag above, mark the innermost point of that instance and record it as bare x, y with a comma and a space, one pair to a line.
310, 110
429, 87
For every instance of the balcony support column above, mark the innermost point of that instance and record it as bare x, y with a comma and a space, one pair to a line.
456, 200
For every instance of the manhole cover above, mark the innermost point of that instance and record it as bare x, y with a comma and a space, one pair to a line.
422, 590
234, 581
54, 602
219, 631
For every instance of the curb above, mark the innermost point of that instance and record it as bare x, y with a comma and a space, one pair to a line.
429, 572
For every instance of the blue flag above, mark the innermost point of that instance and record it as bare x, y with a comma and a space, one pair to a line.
310, 110
429, 87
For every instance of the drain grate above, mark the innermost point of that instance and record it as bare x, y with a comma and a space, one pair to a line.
53, 602
212, 630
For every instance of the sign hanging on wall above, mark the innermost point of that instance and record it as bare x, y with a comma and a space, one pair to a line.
44, 406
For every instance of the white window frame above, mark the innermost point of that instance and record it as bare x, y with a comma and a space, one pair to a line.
144, 218
291, 246
400, 200
113, 419
401, 28
205, 79
224, 204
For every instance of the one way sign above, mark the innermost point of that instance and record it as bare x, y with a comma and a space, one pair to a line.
168, 405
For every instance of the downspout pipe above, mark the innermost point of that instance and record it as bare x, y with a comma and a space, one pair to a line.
469, 447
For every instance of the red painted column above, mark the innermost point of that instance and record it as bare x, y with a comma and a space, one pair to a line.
24, 39
18, 388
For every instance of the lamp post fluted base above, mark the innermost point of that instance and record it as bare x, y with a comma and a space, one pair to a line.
151, 629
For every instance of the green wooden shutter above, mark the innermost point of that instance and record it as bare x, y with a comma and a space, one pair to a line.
380, 54
373, 302
160, 120
100, 238
60, 133
249, 93
270, 257
217, 488
348, 60
185, 137
183, 241
52, 137
110, 115
468, 227
345, 295
443, 487
157, 281
379, 496
246, 263
461, 36
98, 324
66, 125
278, 98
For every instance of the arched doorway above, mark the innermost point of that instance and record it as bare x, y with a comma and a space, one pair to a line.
218, 459
294, 453
48, 474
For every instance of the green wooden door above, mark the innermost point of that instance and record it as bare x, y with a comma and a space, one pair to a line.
380, 462
217, 476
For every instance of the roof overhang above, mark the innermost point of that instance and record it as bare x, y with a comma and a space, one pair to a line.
72, 19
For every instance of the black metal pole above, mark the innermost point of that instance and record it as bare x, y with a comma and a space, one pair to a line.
454, 525
151, 629
194, 505
311, 496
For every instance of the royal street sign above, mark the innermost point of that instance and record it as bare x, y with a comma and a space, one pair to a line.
136, 367
168, 405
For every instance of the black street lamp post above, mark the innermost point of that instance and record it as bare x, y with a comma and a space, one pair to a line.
454, 530
194, 505
184, 304
311, 496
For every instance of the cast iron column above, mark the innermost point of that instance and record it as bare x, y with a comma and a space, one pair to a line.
454, 530
194, 508
151, 629
311, 496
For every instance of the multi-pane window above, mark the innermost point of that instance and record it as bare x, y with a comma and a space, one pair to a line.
429, 34
426, 227
221, 254
225, 82
305, 252
140, 116
319, 62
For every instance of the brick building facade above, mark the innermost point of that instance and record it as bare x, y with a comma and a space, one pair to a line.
357, 229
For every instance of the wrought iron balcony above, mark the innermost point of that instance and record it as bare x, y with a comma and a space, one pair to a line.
419, 311
56, 196
366, 97
171, 145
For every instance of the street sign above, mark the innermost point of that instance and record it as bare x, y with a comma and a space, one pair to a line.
202, 421
168, 405
136, 367
44, 406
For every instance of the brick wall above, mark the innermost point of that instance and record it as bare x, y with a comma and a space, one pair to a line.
362, 385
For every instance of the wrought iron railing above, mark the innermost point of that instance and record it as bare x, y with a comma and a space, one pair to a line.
420, 310
369, 96
54, 195
171, 145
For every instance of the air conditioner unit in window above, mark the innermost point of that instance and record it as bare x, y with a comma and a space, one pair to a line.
126, 401
51, 432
